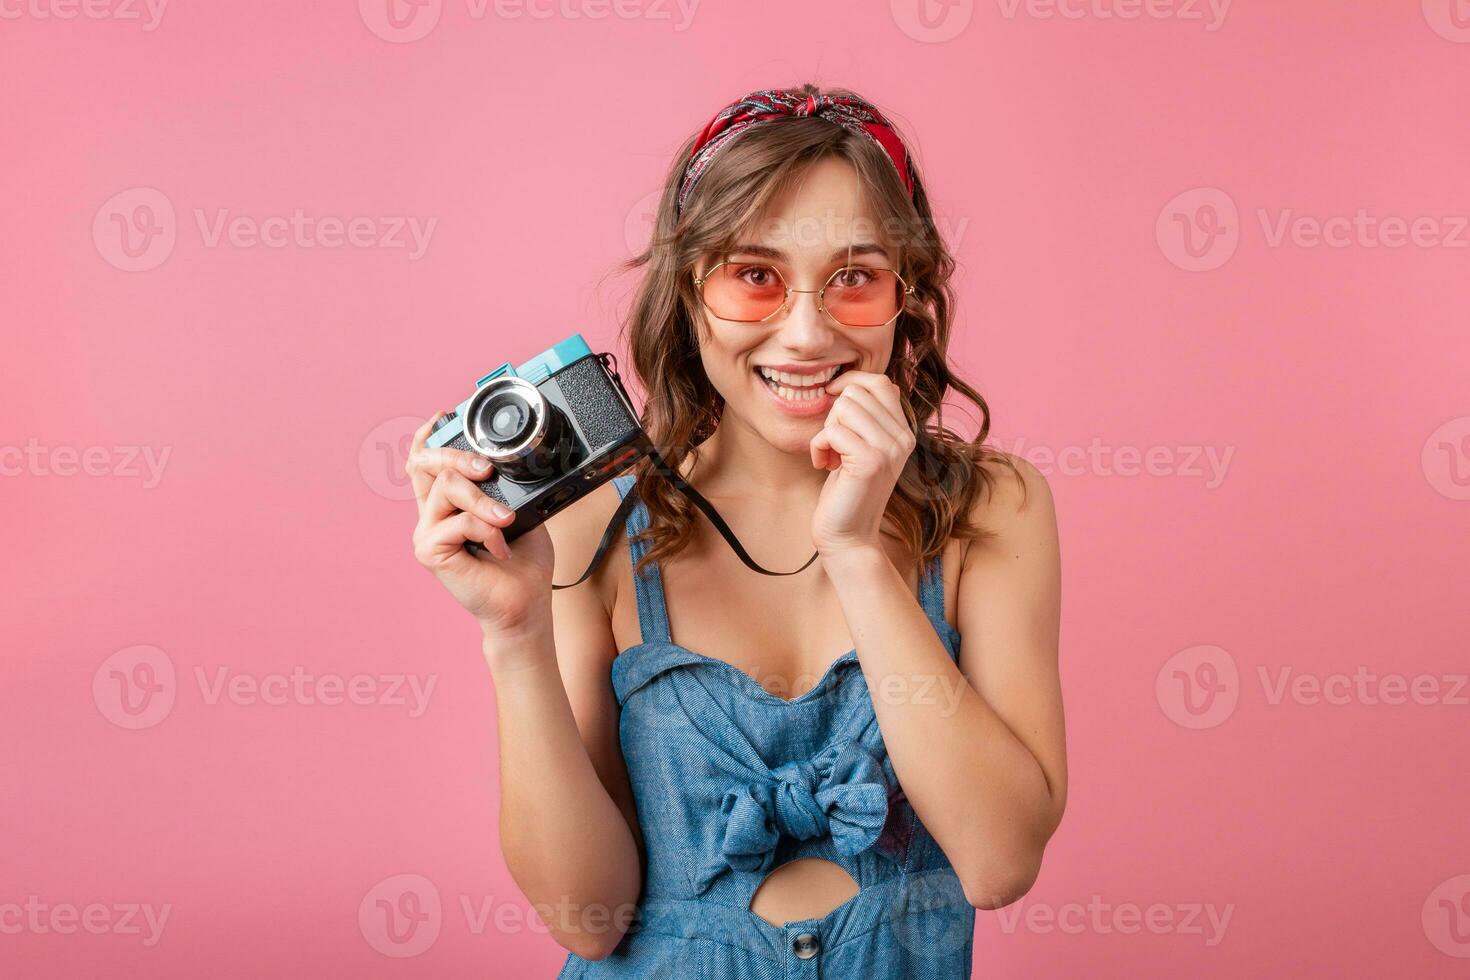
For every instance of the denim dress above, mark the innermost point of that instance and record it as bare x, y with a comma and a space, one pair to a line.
731, 782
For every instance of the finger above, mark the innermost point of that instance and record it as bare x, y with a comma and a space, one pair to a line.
472, 465
847, 446
467, 527
857, 419
848, 379
421, 434
881, 386
821, 448
427, 463
445, 541
888, 401
882, 396
420, 438
860, 411
453, 491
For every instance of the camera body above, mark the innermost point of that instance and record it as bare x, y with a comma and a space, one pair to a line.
556, 428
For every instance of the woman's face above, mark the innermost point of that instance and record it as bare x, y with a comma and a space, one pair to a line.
809, 232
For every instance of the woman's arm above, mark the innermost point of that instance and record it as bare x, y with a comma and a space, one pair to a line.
568, 828
980, 746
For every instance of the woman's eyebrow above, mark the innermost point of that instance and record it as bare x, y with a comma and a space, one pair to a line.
767, 252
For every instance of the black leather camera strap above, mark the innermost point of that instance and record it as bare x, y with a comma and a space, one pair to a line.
630, 499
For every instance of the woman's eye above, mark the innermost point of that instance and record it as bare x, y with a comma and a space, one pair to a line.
852, 278
757, 275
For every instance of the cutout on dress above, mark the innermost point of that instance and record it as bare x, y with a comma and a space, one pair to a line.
807, 888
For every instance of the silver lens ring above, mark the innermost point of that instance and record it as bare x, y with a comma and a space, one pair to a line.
478, 438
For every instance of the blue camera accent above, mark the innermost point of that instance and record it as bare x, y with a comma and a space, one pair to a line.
545, 364
535, 371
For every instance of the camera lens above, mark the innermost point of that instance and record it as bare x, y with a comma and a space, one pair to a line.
511, 423
509, 418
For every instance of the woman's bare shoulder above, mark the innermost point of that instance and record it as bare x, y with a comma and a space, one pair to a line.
575, 532
1016, 503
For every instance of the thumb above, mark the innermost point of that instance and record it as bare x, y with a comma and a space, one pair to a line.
821, 448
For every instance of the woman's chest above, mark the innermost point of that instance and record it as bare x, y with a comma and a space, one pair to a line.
782, 631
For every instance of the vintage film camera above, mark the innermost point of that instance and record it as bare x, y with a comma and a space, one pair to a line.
557, 427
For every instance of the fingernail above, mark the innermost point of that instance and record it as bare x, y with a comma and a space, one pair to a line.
480, 463
500, 510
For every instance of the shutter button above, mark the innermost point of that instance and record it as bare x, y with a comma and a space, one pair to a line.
805, 946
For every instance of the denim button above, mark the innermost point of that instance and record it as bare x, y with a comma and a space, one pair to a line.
805, 946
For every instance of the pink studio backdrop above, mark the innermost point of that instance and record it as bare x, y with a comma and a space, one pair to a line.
1213, 278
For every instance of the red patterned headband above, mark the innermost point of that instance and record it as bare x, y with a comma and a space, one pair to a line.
768, 104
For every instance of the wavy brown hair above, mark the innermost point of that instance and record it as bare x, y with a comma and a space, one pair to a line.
933, 497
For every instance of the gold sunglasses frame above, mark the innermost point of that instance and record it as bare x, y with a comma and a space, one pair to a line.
908, 291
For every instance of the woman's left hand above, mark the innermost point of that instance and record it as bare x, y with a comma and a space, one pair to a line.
865, 443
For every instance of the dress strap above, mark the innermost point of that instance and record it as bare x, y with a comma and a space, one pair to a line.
648, 586
931, 592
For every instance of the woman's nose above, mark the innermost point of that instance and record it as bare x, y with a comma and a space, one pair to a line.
803, 325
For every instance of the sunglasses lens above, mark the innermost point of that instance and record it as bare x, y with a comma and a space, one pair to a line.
860, 297
744, 292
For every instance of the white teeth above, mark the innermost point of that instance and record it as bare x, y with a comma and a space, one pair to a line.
798, 394
799, 380
794, 387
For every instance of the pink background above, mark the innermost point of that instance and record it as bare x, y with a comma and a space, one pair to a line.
1332, 379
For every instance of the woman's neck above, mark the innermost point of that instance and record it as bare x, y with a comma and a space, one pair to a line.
737, 462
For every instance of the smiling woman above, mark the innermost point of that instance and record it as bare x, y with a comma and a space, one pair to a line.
813, 777
837, 191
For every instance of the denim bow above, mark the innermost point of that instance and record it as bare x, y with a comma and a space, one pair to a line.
841, 792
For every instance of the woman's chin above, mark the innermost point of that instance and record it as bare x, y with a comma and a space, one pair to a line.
790, 435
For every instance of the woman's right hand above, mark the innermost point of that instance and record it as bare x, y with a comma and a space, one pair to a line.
507, 591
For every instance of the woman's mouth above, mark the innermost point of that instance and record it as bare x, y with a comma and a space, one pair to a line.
800, 393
